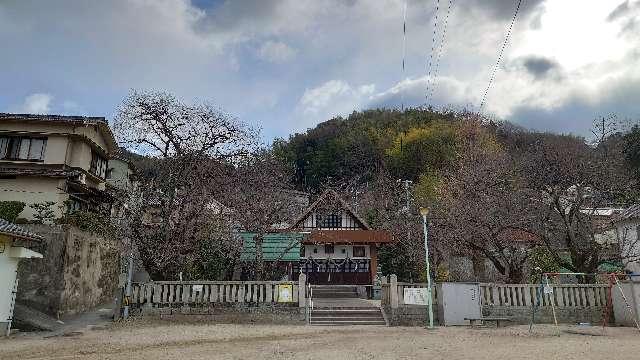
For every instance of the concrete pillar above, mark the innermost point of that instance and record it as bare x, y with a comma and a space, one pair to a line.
393, 291
302, 290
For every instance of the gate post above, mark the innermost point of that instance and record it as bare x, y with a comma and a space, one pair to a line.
393, 291
302, 290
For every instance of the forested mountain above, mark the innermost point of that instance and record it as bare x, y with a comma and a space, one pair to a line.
408, 144
495, 190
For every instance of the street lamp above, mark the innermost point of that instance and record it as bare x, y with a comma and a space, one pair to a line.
424, 212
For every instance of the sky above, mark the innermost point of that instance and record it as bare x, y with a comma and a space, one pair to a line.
285, 66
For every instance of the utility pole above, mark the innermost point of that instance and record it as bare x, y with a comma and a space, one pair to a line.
407, 211
424, 212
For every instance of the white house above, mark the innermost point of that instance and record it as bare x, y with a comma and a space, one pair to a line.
628, 234
11, 237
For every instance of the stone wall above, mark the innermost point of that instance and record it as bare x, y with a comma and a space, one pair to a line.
544, 315
409, 315
227, 313
412, 315
78, 272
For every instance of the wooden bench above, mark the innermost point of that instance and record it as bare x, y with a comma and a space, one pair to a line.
472, 321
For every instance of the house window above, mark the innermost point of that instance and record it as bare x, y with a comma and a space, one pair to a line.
98, 165
22, 148
302, 254
329, 221
358, 251
328, 248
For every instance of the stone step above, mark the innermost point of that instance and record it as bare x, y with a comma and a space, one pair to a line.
348, 322
363, 311
346, 318
335, 296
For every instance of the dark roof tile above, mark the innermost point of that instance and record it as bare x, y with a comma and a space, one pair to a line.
12, 229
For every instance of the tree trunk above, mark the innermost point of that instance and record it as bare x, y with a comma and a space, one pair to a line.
515, 274
259, 238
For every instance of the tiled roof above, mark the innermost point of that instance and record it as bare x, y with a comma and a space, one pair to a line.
633, 212
14, 230
62, 118
282, 246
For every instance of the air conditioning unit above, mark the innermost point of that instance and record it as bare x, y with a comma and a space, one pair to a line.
82, 178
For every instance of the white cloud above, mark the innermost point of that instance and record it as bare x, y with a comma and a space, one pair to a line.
333, 98
216, 53
37, 103
276, 52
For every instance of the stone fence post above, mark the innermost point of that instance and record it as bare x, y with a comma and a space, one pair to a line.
393, 291
302, 290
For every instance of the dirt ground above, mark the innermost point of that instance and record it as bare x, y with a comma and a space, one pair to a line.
165, 340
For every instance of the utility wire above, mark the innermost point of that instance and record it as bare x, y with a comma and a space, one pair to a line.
504, 45
404, 50
433, 46
442, 42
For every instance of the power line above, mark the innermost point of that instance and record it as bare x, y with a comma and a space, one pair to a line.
404, 50
433, 46
442, 42
504, 45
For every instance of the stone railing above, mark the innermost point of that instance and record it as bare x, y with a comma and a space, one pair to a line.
393, 291
564, 295
573, 302
186, 293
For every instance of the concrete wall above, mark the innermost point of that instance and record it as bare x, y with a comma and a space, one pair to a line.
120, 174
8, 268
414, 315
409, 315
79, 271
56, 150
626, 308
31, 190
627, 233
544, 315
234, 314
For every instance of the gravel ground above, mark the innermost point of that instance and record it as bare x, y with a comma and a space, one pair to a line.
144, 340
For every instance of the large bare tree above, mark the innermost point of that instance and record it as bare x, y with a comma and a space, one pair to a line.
486, 209
260, 192
573, 183
193, 145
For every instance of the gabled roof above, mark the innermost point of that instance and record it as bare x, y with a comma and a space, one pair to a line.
330, 193
13, 230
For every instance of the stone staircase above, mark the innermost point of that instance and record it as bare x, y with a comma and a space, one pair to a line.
334, 292
346, 316
340, 305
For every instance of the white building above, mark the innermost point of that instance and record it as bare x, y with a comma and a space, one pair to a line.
11, 237
628, 234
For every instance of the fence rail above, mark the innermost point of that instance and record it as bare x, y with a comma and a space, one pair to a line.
564, 295
511, 295
194, 292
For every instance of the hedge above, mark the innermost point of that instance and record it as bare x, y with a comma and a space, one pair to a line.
9, 210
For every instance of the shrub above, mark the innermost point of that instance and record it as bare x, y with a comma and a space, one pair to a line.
43, 212
90, 222
9, 210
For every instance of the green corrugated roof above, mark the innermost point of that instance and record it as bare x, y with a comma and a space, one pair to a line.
273, 246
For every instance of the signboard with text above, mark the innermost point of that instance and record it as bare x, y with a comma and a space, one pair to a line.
415, 296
